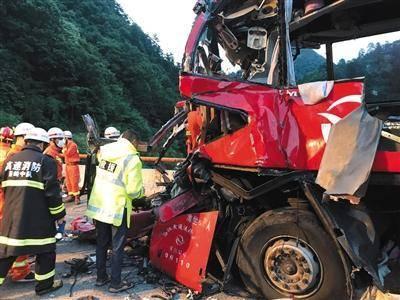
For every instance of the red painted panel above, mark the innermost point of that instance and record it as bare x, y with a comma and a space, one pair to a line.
387, 162
190, 86
181, 247
303, 140
197, 28
282, 132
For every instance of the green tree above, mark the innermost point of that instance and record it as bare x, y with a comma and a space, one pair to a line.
64, 58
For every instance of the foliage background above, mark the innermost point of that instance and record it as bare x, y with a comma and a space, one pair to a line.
60, 59
379, 63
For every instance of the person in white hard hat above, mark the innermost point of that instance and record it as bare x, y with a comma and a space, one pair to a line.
111, 133
67, 134
32, 207
19, 133
71, 158
57, 142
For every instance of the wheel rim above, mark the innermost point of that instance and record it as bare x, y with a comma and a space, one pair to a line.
292, 266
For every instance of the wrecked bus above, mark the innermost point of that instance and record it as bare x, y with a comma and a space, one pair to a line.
291, 186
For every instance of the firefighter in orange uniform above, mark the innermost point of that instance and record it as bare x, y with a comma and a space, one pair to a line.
193, 130
55, 147
20, 270
6, 139
71, 158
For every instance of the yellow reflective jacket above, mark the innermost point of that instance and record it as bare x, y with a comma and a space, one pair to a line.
118, 181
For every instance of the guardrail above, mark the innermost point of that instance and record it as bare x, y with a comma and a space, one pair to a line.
149, 159
151, 176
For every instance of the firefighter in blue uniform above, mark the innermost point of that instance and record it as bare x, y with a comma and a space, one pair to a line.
32, 207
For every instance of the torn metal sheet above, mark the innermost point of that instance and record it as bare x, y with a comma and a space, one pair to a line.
181, 247
359, 237
350, 154
143, 222
281, 131
177, 206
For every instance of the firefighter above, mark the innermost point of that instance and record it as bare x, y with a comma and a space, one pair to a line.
19, 134
118, 181
6, 138
193, 130
71, 158
111, 133
55, 147
32, 207
20, 271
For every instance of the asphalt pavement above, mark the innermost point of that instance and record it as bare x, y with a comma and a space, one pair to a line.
84, 287
149, 284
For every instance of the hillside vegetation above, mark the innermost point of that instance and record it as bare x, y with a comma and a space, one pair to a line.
62, 58
379, 63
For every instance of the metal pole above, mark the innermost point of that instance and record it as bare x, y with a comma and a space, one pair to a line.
170, 160
282, 36
329, 62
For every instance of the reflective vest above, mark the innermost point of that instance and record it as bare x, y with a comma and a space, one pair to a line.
118, 181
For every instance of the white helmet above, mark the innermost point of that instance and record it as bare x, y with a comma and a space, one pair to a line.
68, 134
55, 133
111, 132
23, 129
38, 134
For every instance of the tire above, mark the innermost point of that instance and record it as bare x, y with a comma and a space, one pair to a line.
278, 258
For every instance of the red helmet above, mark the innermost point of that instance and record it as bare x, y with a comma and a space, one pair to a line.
6, 134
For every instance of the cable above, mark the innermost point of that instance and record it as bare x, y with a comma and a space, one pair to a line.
71, 289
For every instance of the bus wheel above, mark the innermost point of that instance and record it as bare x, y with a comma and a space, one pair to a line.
286, 253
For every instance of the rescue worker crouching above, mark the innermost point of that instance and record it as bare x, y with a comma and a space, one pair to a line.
118, 182
32, 206
20, 271
71, 158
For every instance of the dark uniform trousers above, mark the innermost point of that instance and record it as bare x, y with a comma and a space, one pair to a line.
107, 235
44, 269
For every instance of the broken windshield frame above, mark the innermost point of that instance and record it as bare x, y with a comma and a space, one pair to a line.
215, 41
307, 31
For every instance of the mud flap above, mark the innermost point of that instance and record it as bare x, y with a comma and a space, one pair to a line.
181, 247
358, 236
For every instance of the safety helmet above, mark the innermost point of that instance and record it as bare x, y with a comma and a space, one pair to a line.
6, 134
23, 129
68, 134
38, 134
55, 133
111, 132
